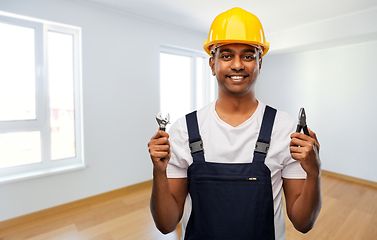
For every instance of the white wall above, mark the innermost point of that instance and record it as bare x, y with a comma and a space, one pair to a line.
337, 87
120, 101
329, 67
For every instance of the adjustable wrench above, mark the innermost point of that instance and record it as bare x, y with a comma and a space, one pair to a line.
162, 122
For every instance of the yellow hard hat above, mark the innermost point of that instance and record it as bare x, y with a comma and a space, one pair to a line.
236, 26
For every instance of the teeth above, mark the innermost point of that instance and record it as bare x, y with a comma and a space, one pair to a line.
236, 77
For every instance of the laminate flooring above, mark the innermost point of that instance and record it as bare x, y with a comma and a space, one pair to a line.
349, 212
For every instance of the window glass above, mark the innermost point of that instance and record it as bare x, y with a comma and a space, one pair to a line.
20, 148
199, 83
175, 81
17, 73
61, 92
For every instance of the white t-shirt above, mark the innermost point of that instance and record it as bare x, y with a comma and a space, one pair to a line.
227, 144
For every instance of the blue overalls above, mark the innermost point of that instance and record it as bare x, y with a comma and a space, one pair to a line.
230, 201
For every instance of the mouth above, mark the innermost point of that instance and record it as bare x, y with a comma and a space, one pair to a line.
237, 78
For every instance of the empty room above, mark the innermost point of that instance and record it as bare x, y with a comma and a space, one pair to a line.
109, 110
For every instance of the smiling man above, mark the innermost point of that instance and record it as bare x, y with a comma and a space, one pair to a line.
231, 160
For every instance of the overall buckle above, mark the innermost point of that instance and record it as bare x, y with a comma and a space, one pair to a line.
262, 147
196, 146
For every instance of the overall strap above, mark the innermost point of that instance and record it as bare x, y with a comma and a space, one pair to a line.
195, 141
263, 142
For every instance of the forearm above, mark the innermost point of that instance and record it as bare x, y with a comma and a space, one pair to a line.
164, 208
306, 208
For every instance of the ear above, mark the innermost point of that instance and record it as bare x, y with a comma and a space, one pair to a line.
212, 66
260, 63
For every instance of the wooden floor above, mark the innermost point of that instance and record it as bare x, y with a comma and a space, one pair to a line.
349, 212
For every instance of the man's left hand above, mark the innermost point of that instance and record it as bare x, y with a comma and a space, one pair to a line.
305, 149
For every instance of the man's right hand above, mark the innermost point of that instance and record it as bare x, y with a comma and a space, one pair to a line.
168, 195
159, 150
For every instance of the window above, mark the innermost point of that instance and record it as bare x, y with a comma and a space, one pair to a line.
40, 102
186, 82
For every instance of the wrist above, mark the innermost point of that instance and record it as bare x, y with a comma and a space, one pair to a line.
159, 172
313, 176
313, 171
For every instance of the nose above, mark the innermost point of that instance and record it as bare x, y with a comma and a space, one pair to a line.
237, 64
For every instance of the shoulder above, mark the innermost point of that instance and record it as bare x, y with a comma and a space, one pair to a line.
284, 118
179, 127
284, 121
206, 112
284, 126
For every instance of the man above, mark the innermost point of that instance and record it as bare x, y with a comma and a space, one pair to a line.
232, 158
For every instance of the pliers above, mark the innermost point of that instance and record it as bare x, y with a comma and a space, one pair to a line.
302, 122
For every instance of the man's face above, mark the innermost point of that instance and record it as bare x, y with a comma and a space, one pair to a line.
236, 67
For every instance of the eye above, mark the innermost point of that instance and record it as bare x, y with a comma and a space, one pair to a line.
225, 56
249, 57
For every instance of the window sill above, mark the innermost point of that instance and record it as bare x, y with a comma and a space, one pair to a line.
41, 173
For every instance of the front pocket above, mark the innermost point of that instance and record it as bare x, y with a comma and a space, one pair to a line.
232, 206
227, 178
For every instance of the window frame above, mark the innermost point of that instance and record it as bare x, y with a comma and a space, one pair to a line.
206, 74
42, 121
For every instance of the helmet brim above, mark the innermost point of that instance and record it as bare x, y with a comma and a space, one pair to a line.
207, 45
